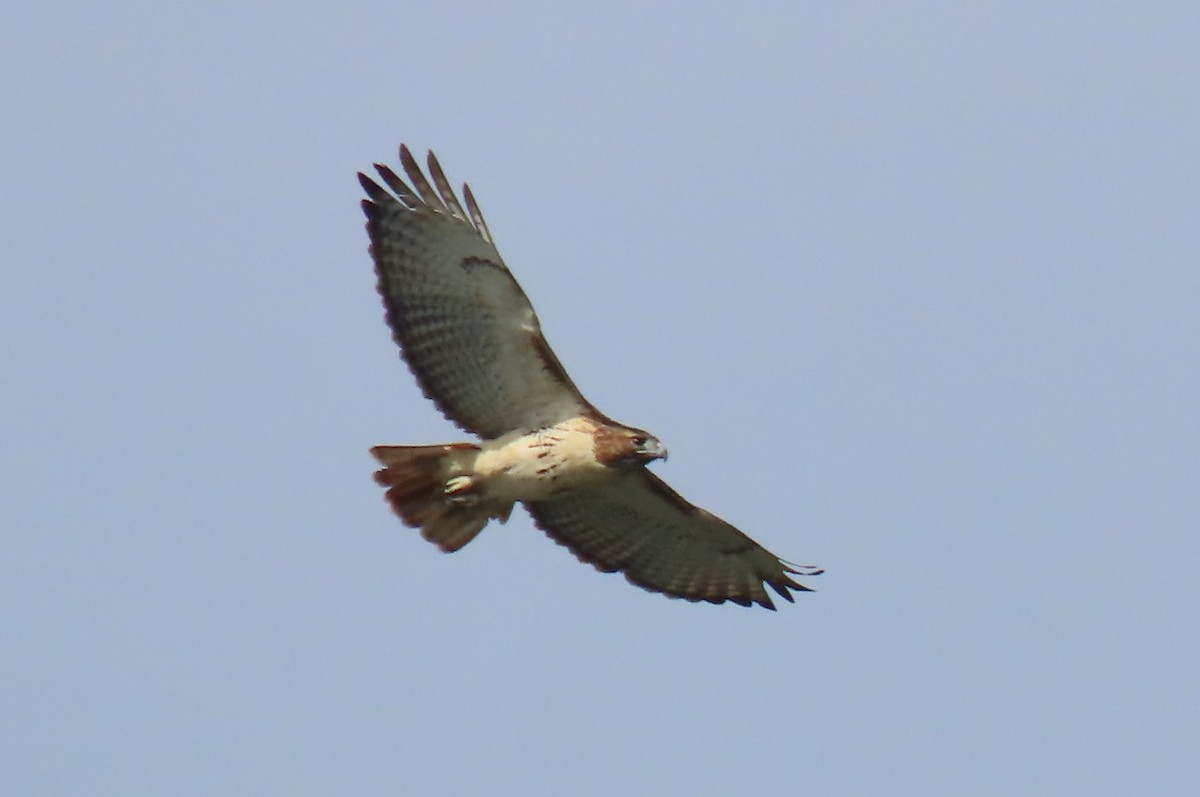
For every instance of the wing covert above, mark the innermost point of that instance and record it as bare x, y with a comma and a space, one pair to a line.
463, 324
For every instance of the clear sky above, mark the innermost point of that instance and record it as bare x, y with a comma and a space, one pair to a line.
910, 291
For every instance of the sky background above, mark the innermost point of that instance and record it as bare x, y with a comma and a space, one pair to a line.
910, 291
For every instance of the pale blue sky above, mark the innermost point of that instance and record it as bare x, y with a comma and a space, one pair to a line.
909, 292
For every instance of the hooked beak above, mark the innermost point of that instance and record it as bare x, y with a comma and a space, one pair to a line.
652, 449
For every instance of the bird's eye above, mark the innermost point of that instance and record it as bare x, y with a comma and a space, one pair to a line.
639, 441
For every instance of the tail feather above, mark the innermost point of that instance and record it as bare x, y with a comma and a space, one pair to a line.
416, 478
454, 529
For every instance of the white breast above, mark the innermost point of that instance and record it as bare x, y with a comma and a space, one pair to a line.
528, 467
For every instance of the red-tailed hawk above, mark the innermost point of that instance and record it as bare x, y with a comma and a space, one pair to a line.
473, 342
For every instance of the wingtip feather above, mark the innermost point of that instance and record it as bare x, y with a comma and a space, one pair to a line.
373, 189
417, 178
476, 214
444, 188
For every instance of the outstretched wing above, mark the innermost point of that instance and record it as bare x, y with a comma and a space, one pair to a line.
463, 323
638, 525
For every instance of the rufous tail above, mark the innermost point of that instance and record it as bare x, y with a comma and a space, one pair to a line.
429, 488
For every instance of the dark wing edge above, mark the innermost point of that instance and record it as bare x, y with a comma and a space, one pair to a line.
672, 532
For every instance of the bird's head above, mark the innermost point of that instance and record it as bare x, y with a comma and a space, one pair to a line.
626, 447
647, 447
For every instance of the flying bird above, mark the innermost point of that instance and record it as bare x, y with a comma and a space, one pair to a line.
473, 342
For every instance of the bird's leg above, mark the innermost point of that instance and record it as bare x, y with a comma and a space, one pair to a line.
461, 490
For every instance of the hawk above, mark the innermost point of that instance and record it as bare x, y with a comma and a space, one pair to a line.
473, 342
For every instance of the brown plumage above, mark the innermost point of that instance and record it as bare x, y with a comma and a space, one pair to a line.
474, 344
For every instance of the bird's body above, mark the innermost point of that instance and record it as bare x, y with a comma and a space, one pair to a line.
541, 464
473, 341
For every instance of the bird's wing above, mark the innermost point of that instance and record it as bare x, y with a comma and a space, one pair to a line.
638, 525
463, 323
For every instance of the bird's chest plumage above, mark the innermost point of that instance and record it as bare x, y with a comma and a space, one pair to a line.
535, 466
